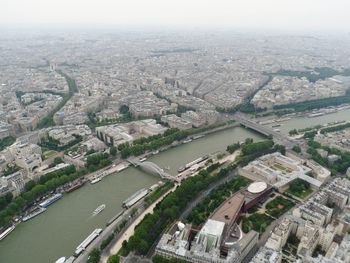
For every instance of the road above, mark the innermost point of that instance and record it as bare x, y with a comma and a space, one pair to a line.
114, 248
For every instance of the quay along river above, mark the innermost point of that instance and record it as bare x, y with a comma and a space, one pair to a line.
66, 223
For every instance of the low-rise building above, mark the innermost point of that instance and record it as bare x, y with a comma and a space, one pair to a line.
279, 170
176, 122
128, 132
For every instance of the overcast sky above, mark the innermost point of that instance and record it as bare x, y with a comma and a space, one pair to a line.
307, 15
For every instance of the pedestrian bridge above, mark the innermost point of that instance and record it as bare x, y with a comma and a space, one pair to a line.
152, 168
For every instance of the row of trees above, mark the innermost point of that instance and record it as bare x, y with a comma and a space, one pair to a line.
152, 197
48, 120
35, 190
97, 161
251, 150
233, 147
316, 104
335, 128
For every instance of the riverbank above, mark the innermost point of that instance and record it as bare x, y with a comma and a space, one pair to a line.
70, 221
117, 245
115, 248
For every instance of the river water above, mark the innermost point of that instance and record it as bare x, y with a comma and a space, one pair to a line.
306, 122
66, 223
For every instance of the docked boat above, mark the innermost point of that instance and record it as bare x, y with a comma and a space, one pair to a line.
317, 114
122, 167
88, 241
155, 152
276, 125
75, 186
34, 213
181, 169
7, 232
61, 260
187, 166
143, 159
187, 141
99, 209
135, 198
95, 180
195, 137
51, 200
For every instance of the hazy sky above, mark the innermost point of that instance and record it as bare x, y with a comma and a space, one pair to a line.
309, 15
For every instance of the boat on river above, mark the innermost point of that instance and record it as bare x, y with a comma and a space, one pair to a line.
99, 209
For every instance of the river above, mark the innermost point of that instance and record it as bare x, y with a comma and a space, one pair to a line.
306, 122
65, 224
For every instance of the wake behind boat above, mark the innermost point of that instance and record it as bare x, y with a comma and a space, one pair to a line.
99, 209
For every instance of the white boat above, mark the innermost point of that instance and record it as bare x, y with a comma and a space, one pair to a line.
51, 200
122, 167
7, 232
99, 209
187, 141
87, 241
34, 213
95, 180
143, 159
60, 260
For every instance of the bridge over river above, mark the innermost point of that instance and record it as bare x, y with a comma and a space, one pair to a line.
278, 137
152, 168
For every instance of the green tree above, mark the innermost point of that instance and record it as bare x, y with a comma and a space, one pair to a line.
113, 259
57, 160
296, 148
113, 151
124, 109
293, 132
94, 256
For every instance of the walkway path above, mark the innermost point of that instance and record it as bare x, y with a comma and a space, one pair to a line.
114, 249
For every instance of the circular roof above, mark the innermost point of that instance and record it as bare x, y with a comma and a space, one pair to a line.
257, 187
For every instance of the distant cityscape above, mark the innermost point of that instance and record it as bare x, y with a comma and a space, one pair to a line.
178, 111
